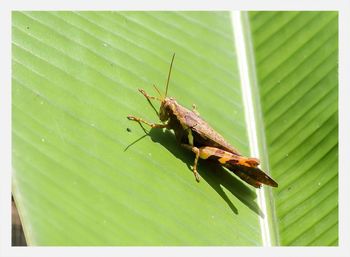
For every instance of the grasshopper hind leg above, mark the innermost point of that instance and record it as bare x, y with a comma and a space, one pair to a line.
197, 152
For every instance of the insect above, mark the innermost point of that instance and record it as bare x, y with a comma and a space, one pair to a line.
196, 135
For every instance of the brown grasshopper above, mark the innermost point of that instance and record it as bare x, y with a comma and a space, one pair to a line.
196, 135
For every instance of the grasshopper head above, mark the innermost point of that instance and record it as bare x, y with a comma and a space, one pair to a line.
166, 108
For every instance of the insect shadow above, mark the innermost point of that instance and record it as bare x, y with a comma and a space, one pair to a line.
215, 175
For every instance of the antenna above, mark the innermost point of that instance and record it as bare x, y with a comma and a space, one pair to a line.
167, 83
157, 91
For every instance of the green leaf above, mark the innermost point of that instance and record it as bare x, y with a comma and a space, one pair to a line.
297, 65
85, 175
75, 79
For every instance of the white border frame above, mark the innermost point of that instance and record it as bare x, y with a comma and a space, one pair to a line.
343, 6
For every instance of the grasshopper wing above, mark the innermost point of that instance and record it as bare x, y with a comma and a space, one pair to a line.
205, 135
252, 175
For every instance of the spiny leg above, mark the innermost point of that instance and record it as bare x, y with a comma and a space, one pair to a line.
142, 91
204, 152
197, 152
149, 98
151, 124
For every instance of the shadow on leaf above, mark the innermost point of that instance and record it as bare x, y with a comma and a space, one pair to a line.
214, 174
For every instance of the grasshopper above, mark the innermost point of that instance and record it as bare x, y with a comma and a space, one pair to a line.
196, 135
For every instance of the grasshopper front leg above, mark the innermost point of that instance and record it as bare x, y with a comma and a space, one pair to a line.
151, 124
148, 97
